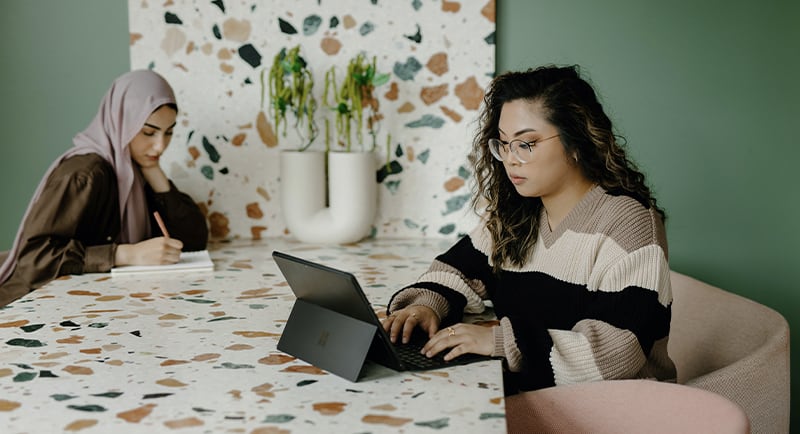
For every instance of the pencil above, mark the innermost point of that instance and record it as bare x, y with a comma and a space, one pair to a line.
161, 224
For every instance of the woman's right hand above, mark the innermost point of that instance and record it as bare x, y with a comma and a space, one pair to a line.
155, 251
403, 321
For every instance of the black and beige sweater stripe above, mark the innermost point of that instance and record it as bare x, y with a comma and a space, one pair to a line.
592, 302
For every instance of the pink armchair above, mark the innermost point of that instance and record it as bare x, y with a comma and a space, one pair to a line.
732, 357
733, 346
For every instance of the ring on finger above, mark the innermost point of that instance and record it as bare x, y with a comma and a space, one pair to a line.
451, 331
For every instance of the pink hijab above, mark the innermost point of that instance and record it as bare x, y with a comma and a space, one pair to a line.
123, 111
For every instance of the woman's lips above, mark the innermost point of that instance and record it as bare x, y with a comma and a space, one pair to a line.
516, 180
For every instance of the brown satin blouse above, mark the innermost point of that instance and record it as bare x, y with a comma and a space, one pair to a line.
73, 227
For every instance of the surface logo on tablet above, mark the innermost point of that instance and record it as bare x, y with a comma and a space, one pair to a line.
323, 338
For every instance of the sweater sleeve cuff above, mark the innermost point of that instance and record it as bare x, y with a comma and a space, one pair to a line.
99, 259
510, 350
423, 297
499, 349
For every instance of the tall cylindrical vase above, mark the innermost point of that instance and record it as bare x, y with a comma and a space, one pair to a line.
334, 209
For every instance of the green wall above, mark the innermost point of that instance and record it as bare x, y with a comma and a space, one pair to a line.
58, 59
705, 93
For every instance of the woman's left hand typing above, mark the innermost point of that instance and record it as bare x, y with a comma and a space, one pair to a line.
461, 339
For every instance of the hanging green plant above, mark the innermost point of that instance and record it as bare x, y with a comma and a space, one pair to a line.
351, 98
290, 89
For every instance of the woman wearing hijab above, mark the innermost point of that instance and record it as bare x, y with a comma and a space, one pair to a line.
94, 208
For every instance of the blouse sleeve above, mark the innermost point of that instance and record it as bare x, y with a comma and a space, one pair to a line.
182, 217
71, 227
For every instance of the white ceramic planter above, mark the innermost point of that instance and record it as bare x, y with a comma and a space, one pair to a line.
346, 213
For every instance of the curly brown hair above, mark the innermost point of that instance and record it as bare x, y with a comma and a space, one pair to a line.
570, 104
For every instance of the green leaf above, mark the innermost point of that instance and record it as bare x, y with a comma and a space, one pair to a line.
381, 79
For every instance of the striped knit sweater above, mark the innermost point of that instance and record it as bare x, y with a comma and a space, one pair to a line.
592, 302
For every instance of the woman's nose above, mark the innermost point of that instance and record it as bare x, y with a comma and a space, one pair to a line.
159, 143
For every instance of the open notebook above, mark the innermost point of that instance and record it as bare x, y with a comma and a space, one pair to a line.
190, 261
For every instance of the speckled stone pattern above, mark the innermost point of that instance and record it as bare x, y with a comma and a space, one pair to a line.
197, 353
225, 151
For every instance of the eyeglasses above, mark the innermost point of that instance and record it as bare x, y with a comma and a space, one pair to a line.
522, 150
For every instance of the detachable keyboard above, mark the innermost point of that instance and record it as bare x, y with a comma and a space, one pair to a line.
410, 355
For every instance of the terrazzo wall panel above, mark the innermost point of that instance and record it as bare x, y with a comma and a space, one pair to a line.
440, 55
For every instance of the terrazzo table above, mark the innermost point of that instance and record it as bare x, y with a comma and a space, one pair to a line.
197, 353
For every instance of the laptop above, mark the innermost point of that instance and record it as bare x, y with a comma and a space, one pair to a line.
334, 327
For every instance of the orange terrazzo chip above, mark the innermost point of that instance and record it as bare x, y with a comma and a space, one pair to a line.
79, 370
53, 356
9, 405
80, 292
205, 357
238, 139
329, 408
256, 334
385, 420
110, 298
385, 256
172, 362
264, 390
270, 430
13, 324
454, 184
80, 424
470, 93
452, 114
304, 369
170, 382
437, 64
183, 423
265, 131
71, 340
137, 414
254, 293
330, 45
276, 359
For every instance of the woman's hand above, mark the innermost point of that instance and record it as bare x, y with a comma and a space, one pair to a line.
155, 251
156, 177
461, 339
403, 321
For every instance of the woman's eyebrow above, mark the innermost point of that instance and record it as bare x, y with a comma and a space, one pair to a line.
157, 127
522, 131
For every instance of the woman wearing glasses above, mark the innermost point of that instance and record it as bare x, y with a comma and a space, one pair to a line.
571, 249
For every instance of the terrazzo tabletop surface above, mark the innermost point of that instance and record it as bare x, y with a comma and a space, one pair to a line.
194, 353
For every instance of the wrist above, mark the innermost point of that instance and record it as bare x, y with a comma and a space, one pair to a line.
156, 178
122, 255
